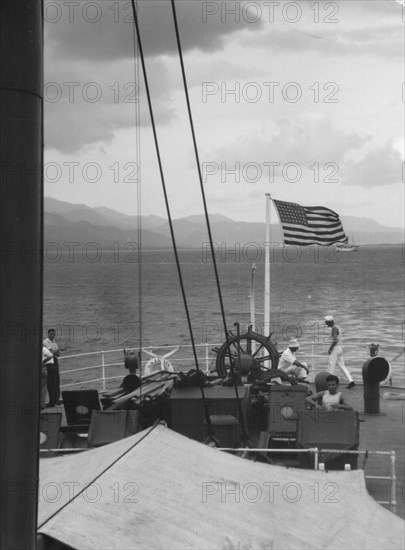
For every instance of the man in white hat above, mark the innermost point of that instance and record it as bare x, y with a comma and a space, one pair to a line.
335, 351
290, 364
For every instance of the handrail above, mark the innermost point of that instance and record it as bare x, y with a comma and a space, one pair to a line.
311, 355
103, 364
207, 345
103, 380
94, 367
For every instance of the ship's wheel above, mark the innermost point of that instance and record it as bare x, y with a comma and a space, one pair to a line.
250, 352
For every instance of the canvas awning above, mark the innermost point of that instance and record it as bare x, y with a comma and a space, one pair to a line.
159, 489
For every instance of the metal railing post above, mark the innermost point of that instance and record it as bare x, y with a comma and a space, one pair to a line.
393, 484
312, 360
103, 369
206, 358
316, 458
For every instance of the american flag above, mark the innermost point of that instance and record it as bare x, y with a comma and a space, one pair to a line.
305, 225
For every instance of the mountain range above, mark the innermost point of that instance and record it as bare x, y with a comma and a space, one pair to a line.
65, 222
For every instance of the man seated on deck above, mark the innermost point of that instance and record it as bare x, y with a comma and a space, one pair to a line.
329, 399
289, 364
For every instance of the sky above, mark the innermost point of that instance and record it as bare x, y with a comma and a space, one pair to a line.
302, 100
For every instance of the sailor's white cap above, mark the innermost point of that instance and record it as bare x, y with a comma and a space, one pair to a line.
293, 343
328, 318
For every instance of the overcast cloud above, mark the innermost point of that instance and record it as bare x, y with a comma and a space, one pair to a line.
315, 84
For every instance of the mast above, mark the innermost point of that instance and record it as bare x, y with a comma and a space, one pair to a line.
252, 297
21, 154
266, 325
252, 304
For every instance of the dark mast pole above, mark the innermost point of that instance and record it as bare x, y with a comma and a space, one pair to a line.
21, 182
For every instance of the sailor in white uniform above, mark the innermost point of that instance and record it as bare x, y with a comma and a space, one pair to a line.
335, 351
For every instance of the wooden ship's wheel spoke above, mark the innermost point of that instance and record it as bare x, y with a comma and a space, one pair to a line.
257, 351
265, 358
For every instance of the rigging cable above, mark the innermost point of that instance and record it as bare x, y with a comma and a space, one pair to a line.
183, 72
96, 477
138, 193
142, 58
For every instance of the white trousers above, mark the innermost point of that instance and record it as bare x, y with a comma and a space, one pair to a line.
336, 360
298, 372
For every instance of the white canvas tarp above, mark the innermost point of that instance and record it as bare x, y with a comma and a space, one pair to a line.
158, 489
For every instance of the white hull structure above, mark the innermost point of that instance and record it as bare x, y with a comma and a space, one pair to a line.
348, 247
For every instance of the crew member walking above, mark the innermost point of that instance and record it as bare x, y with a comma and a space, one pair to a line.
335, 351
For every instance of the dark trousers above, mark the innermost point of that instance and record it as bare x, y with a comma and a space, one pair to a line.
53, 383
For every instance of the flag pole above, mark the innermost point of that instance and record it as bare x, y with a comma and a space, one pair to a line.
252, 304
266, 327
252, 298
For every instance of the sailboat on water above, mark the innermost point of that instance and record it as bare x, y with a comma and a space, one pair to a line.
157, 488
350, 246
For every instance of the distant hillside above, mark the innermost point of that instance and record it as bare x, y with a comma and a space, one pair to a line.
79, 223
73, 227
99, 216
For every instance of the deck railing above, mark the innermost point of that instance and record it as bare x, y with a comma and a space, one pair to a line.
109, 364
101, 362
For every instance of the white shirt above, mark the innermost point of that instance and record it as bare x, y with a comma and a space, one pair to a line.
50, 344
286, 360
328, 400
45, 354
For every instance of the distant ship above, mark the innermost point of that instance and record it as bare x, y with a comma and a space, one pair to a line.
348, 247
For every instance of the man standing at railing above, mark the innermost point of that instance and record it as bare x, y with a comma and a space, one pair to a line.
47, 358
335, 351
53, 382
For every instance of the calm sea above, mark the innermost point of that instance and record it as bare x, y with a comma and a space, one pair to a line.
102, 300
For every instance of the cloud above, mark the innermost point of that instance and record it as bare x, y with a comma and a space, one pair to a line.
338, 28
85, 106
90, 66
382, 7
384, 41
303, 142
379, 167
102, 31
